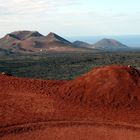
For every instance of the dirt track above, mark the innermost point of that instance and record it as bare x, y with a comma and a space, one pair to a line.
76, 130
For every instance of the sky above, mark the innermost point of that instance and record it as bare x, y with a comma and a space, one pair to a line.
71, 17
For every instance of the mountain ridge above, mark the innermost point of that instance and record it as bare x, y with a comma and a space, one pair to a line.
34, 42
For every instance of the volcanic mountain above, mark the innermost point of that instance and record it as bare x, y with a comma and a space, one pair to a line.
33, 41
22, 35
52, 37
109, 44
105, 95
81, 44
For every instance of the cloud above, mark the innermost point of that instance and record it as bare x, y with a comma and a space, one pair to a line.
17, 7
73, 16
34, 14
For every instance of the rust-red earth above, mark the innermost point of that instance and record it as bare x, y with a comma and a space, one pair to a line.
109, 94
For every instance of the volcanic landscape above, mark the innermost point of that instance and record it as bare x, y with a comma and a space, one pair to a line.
103, 104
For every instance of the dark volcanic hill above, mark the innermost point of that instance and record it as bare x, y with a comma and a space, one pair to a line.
33, 41
22, 35
52, 37
109, 44
81, 44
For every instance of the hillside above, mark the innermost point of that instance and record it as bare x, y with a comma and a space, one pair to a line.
111, 87
105, 97
22, 35
81, 44
33, 41
115, 86
5, 52
109, 44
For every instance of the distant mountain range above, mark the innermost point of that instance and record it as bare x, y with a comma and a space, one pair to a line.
34, 42
133, 41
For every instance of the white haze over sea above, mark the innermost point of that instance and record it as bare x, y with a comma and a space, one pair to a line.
129, 40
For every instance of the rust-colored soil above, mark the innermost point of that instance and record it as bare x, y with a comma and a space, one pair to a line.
105, 95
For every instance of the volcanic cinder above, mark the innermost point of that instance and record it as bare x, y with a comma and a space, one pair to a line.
103, 104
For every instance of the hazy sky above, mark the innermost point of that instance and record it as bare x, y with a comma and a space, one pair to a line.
71, 17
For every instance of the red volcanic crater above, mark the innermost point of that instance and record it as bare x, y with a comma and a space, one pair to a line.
110, 93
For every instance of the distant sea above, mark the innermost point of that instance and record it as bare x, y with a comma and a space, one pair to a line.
129, 40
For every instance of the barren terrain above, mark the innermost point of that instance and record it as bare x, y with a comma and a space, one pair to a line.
103, 104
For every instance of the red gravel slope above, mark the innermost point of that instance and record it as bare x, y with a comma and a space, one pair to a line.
111, 85
105, 94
